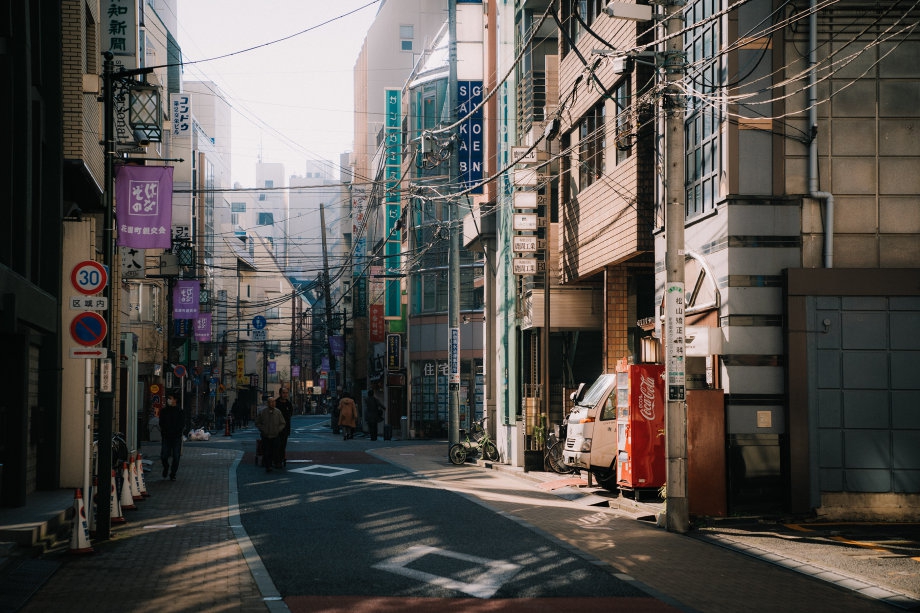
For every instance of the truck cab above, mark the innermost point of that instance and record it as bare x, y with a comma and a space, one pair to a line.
616, 430
592, 431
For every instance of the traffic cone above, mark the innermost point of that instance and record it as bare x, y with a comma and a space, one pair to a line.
135, 480
79, 536
141, 480
227, 427
92, 508
127, 500
115, 513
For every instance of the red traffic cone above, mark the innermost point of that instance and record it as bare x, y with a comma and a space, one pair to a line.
135, 480
115, 514
127, 501
79, 536
141, 480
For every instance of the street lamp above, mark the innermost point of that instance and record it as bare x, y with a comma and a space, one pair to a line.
142, 101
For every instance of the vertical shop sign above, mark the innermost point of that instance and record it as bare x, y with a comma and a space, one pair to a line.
392, 169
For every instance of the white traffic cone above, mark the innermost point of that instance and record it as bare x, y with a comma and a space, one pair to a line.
92, 508
127, 500
115, 513
141, 480
135, 480
79, 536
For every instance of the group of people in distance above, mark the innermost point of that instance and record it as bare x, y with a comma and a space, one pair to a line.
274, 424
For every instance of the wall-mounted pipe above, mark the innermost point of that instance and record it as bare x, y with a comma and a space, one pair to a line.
813, 190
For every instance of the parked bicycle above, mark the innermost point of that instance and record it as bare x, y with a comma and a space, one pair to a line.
479, 444
552, 452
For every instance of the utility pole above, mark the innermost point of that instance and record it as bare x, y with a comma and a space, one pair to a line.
107, 396
453, 291
106, 399
677, 510
327, 296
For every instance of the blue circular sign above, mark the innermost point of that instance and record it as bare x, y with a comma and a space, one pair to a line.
180, 371
258, 322
88, 328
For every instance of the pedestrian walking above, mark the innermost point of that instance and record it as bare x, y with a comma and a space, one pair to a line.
335, 416
286, 407
348, 416
373, 414
270, 423
172, 422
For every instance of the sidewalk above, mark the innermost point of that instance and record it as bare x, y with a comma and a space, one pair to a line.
177, 551
181, 550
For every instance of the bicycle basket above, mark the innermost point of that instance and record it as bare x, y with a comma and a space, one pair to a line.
476, 431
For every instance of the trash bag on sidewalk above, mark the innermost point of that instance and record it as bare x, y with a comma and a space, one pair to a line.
199, 435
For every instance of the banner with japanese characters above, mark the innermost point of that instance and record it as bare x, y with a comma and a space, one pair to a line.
203, 328
185, 300
143, 206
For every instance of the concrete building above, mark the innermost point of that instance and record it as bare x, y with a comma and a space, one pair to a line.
401, 31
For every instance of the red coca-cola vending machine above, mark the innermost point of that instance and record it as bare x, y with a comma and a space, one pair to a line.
640, 426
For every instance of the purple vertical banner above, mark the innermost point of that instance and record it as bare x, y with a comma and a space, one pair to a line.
203, 328
143, 206
337, 345
185, 300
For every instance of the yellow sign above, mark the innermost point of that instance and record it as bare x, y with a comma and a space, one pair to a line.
241, 368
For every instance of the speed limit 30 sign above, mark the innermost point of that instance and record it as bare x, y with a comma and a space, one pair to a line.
89, 277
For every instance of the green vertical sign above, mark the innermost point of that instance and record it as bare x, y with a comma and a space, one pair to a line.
392, 170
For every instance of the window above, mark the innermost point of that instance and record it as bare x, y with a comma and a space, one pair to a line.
143, 302
434, 292
269, 183
588, 11
624, 127
703, 134
273, 313
237, 207
406, 36
266, 219
591, 143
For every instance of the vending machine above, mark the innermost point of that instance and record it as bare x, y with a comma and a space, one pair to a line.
641, 445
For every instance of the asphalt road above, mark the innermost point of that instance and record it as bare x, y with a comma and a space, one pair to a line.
338, 522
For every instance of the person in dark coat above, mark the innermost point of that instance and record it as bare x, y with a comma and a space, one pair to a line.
270, 423
171, 424
286, 407
372, 414
335, 418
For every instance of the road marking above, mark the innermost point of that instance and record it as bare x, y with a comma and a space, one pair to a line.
495, 572
319, 470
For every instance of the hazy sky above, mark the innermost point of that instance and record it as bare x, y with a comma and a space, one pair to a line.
292, 100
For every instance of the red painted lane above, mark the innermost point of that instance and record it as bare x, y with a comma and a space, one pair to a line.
359, 604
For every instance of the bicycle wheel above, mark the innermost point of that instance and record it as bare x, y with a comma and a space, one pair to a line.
457, 454
556, 461
489, 451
